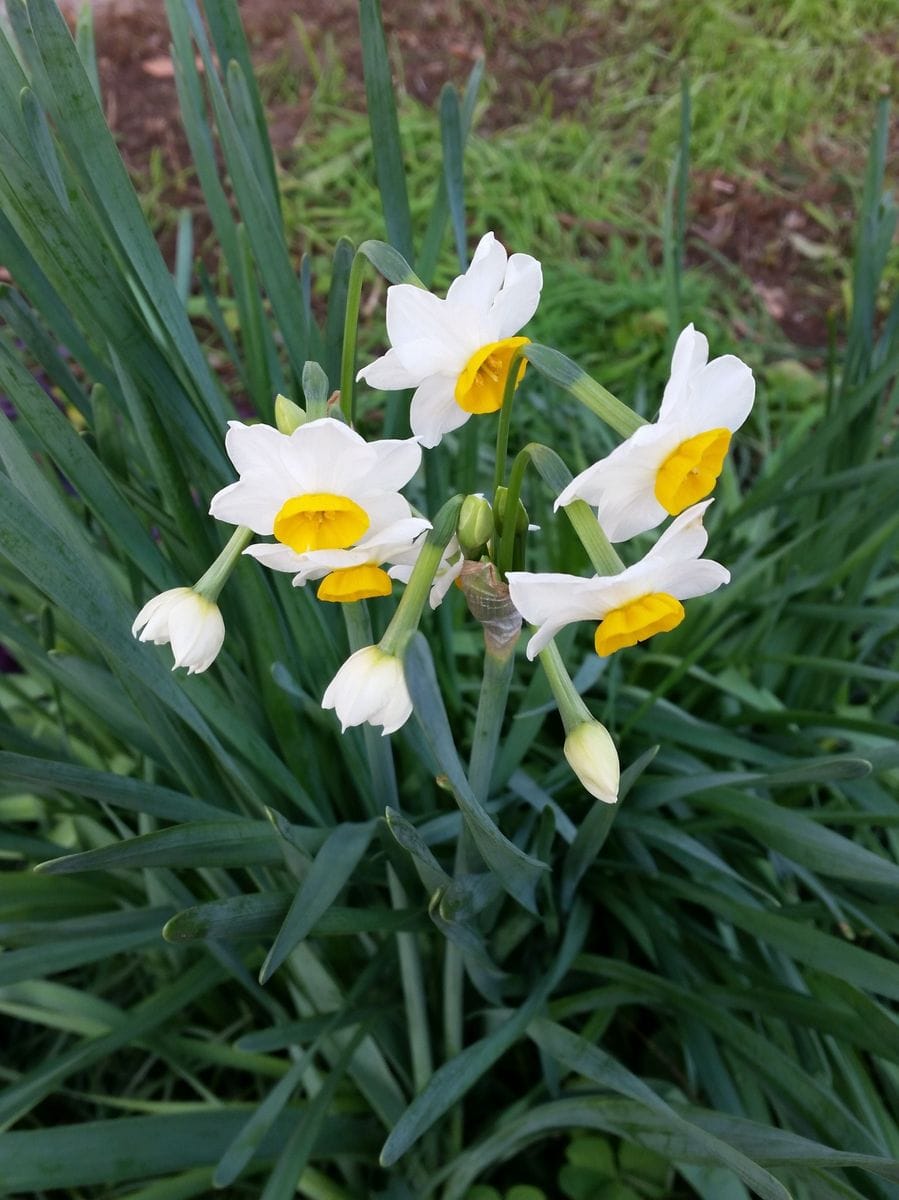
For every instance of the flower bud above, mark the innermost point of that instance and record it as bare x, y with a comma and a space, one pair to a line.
370, 686
288, 416
191, 623
475, 526
592, 756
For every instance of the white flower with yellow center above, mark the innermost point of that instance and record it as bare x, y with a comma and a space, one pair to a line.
191, 623
457, 352
370, 687
353, 574
321, 490
675, 461
642, 600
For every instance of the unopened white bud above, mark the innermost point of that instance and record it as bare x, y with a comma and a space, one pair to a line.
592, 756
188, 621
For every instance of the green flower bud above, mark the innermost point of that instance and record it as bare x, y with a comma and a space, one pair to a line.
521, 514
288, 416
475, 526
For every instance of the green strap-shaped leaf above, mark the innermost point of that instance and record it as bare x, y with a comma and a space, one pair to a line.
584, 1059
518, 872
451, 136
385, 128
331, 869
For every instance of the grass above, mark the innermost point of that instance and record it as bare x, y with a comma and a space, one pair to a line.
726, 961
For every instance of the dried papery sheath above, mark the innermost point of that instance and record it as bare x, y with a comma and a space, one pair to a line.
491, 605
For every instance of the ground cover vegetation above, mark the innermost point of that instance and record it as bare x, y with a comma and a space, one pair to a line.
231, 971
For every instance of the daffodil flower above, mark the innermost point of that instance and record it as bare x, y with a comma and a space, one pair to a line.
457, 352
353, 574
642, 600
320, 490
592, 756
188, 621
670, 464
370, 687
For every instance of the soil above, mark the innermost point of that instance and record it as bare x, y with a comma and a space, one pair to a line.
760, 225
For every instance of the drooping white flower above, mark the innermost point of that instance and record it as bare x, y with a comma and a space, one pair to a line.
448, 570
191, 623
322, 491
456, 352
642, 600
675, 461
370, 687
592, 756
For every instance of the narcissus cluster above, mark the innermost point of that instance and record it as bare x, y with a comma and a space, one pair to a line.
332, 506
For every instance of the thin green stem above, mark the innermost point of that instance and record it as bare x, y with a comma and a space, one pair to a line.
505, 421
599, 549
408, 613
572, 708
214, 579
350, 328
489, 720
513, 495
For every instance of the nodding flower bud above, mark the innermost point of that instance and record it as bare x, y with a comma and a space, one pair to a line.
521, 513
592, 756
288, 415
475, 526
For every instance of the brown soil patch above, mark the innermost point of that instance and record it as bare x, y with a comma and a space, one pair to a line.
770, 232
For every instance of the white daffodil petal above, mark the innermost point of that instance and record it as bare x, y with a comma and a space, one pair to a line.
685, 538
691, 353
370, 687
721, 396
253, 448
520, 295
274, 555
684, 580
396, 461
388, 373
421, 329
248, 502
551, 602
478, 287
327, 456
434, 410
384, 509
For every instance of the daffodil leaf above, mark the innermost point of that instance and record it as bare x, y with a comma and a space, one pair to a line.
234, 843
595, 827
385, 128
331, 869
451, 136
517, 871
388, 260
584, 1059
95, 1153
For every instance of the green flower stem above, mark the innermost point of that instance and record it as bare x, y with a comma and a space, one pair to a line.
491, 710
378, 750
408, 614
599, 549
505, 421
574, 379
350, 328
513, 495
572, 708
214, 579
